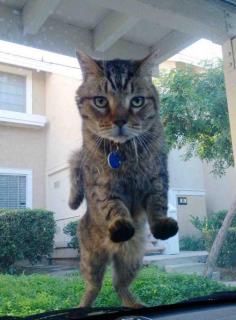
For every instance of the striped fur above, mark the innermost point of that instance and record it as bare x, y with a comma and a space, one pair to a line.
119, 201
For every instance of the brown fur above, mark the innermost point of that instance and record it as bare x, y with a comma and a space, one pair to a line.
119, 200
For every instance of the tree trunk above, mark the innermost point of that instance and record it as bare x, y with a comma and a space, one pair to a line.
219, 240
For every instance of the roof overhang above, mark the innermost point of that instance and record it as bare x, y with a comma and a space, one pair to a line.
112, 28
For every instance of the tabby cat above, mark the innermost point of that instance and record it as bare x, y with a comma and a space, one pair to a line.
120, 170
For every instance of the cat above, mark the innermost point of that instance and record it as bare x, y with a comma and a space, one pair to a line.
121, 171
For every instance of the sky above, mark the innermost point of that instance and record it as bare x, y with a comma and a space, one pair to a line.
200, 50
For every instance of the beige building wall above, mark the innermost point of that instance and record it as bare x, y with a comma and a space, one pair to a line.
63, 137
186, 179
186, 175
196, 206
38, 92
64, 130
57, 195
167, 66
24, 148
229, 55
220, 190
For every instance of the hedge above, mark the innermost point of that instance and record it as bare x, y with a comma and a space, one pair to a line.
209, 227
227, 257
192, 243
71, 229
25, 234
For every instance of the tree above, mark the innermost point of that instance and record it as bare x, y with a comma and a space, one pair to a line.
219, 240
195, 115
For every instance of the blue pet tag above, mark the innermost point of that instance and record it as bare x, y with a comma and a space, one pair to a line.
114, 160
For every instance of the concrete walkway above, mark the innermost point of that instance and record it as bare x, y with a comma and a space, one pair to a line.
54, 270
229, 283
186, 262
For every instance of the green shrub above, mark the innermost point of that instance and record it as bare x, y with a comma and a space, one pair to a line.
209, 227
212, 222
192, 243
26, 295
71, 230
25, 234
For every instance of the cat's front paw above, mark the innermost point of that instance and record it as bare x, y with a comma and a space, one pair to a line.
164, 228
74, 202
121, 230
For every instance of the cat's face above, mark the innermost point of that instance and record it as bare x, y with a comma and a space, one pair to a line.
115, 100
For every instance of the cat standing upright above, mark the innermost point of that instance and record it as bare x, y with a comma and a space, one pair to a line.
121, 171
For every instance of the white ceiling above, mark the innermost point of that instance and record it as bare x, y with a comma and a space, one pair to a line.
81, 13
115, 28
146, 33
16, 4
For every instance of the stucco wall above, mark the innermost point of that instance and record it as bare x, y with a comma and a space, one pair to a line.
220, 190
38, 92
229, 55
185, 174
64, 130
57, 195
25, 149
63, 136
196, 207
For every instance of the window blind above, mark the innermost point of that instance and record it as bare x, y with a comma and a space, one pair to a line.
12, 92
12, 191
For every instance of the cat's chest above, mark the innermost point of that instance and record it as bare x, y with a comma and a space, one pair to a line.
128, 178
129, 181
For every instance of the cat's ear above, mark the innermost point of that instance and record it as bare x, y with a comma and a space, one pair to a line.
145, 66
88, 65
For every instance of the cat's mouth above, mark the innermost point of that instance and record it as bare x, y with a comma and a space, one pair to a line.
120, 138
118, 134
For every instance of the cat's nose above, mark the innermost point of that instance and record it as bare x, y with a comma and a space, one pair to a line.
120, 122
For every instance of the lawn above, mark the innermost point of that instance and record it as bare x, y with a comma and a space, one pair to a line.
24, 295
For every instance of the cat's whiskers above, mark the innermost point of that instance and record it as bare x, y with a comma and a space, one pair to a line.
135, 149
98, 141
149, 144
154, 137
143, 144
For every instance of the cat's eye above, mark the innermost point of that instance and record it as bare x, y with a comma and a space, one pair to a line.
137, 102
100, 102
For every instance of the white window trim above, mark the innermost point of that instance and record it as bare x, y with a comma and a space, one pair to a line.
28, 75
29, 179
20, 119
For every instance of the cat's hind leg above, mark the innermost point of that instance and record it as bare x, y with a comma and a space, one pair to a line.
126, 264
93, 266
93, 262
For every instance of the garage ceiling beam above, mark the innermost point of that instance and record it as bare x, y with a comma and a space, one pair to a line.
63, 38
199, 18
171, 44
35, 13
111, 29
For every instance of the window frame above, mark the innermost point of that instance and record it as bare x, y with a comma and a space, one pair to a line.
28, 75
22, 172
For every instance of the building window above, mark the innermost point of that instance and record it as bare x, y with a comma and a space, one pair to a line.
15, 89
12, 92
16, 98
15, 189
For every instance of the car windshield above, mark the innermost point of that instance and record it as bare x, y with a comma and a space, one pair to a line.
117, 149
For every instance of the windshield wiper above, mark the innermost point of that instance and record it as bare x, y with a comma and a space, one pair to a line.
216, 299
